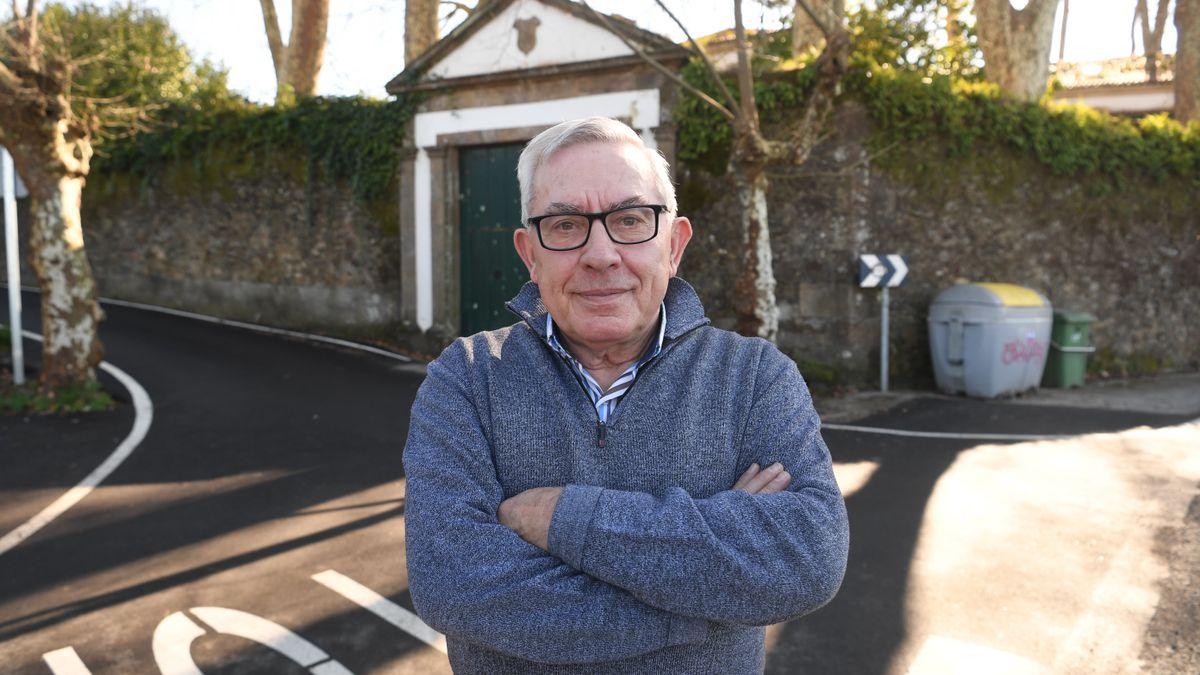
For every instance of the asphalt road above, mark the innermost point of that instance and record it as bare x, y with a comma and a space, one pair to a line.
272, 460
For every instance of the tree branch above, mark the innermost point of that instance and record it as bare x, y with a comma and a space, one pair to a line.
712, 69
1062, 35
274, 39
1160, 22
458, 7
812, 14
660, 67
31, 17
744, 77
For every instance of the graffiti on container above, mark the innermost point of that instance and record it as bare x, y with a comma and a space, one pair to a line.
1023, 350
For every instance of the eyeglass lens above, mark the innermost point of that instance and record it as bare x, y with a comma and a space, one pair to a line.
627, 226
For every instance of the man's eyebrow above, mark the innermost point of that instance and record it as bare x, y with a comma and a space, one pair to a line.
632, 201
563, 207
567, 207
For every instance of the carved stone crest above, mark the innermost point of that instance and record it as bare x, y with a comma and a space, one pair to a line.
527, 33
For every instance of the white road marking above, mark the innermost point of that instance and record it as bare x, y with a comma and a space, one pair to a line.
381, 607
248, 326
173, 639
143, 415
65, 662
940, 655
172, 645
945, 434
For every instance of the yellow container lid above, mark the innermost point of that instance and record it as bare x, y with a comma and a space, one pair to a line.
1012, 295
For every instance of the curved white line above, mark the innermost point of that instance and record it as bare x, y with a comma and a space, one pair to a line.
144, 414
248, 326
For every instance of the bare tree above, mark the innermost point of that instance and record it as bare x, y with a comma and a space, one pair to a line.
51, 146
298, 61
1016, 45
754, 291
1187, 60
420, 27
1152, 34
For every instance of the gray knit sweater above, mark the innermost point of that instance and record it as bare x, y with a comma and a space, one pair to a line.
655, 564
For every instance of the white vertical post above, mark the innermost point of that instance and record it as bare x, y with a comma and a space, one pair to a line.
883, 344
14, 269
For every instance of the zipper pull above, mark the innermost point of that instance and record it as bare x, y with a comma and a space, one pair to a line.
600, 433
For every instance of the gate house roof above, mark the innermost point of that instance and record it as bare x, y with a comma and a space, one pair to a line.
566, 34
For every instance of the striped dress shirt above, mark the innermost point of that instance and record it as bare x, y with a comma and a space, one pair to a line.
606, 400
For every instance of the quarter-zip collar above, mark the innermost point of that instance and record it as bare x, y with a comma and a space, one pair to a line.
684, 310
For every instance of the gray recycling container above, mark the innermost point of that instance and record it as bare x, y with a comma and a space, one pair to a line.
989, 339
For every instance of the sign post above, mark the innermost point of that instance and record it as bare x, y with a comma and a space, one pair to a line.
14, 270
882, 271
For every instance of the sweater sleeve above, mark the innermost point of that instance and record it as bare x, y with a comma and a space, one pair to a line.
473, 578
732, 557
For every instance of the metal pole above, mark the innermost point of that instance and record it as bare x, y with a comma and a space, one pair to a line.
14, 270
883, 344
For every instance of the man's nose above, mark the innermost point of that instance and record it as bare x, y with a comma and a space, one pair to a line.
600, 251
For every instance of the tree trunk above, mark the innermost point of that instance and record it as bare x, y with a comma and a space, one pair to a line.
1187, 60
70, 313
754, 290
297, 63
1016, 45
306, 45
52, 150
420, 27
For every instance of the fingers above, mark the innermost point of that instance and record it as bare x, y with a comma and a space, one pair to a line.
769, 480
778, 484
741, 482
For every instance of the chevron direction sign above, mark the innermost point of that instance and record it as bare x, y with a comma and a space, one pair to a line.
887, 271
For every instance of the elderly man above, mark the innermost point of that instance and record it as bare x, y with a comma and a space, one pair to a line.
612, 485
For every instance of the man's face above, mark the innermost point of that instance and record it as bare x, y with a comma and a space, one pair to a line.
604, 293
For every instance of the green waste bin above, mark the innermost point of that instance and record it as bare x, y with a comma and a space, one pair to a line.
1070, 343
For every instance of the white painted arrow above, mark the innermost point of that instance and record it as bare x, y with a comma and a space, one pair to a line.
877, 270
901, 270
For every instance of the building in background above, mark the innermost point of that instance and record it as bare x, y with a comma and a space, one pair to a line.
509, 71
1119, 86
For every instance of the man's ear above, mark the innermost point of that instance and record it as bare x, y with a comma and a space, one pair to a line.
681, 234
524, 243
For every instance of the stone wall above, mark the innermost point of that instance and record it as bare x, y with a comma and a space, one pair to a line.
287, 248
1132, 258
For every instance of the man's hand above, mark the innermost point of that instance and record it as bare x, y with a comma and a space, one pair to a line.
764, 481
529, 513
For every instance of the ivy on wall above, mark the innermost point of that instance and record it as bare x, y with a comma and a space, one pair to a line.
351, 139
965, 117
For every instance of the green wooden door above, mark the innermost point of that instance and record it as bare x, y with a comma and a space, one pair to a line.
490, 209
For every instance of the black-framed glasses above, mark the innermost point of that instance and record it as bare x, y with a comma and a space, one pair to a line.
626, 225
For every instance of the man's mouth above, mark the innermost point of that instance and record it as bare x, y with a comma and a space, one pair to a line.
601, 293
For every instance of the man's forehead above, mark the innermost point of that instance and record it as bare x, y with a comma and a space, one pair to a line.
568, 178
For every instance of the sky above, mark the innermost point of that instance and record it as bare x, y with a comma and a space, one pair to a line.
365, 45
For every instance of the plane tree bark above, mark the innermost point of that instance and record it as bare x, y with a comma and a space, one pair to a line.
1187, 60
298, 61
1016, 45
51, 146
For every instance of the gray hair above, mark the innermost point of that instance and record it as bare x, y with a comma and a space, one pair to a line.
587, 130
